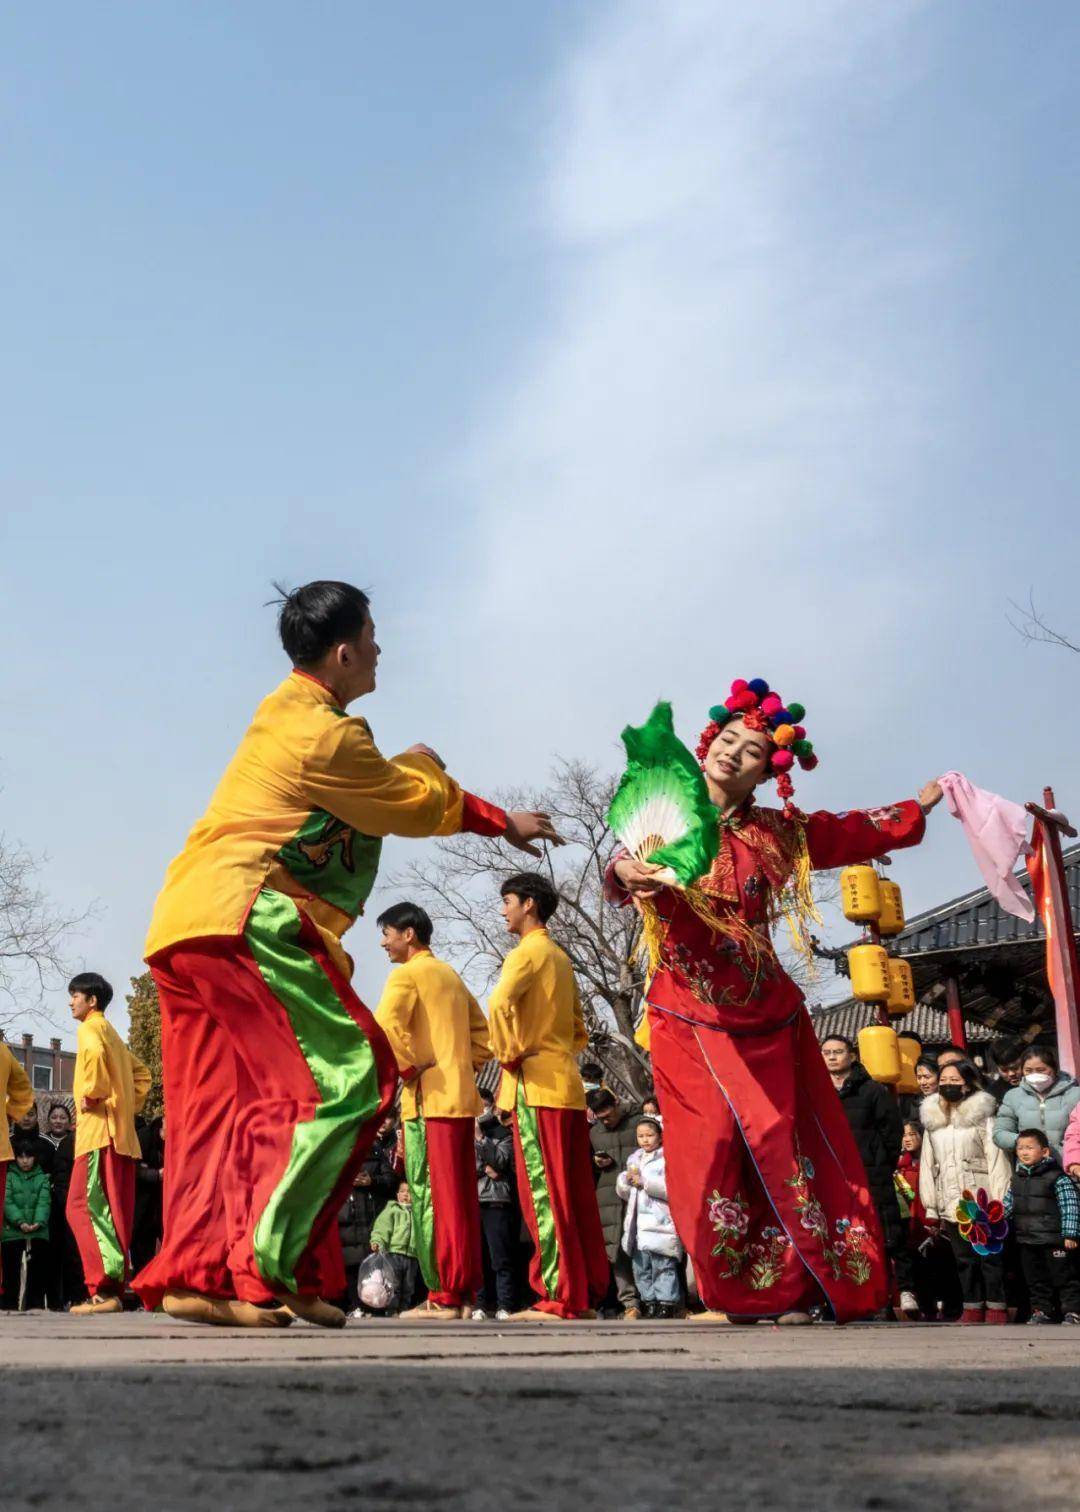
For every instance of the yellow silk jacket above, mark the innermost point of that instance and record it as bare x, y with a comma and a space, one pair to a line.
114, 1079
16, 1097
536, 1025
303, 808
432, 1019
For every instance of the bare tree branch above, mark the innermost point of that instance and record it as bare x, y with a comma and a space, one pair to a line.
460, 889
33, 933
1029, 623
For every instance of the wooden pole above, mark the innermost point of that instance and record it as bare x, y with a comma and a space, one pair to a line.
1060, 936
955, 1009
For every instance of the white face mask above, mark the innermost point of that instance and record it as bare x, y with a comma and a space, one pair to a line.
1038, 1080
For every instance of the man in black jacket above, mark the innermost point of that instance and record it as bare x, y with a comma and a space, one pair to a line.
614, 1138
500, 1217
874, 1116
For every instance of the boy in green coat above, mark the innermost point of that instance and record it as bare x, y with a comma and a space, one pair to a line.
392, 1234
27, 1204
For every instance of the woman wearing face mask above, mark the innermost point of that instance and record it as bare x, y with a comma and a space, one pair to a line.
958, 1155
1044, 1100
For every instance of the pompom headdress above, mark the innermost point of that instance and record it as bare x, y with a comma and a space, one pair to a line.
760, 708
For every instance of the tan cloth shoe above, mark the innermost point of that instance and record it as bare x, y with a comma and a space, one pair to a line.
430, 1310
224, 1312
707, 1317
794, 1319
97, 1306
312, 1310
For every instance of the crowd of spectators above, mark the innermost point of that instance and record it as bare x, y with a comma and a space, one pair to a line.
1014, 1136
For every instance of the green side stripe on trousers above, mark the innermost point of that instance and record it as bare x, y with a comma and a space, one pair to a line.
101, 1219
529, 1133
418, 1175
342, 1065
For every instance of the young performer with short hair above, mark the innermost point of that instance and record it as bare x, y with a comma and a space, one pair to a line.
537, 1032
276, 1075
439, 1037
110, 1088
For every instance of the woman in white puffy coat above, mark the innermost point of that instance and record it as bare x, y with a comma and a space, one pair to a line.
958, 1155
649, 1236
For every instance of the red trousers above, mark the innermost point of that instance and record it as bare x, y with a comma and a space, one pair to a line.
100, 1209
569, 1270
766, 1186
440, 1162
275, 1078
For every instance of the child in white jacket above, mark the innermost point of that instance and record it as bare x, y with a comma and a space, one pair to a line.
649, 1236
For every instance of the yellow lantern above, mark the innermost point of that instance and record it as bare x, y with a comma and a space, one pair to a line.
879, 1052
891, 918
860, 895
869, 967
901, 997
910, 1050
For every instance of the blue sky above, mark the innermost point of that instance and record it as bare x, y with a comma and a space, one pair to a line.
618, 349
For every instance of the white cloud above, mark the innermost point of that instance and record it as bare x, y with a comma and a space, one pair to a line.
710, 440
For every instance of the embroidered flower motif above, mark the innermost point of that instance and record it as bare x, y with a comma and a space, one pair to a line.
730, 1218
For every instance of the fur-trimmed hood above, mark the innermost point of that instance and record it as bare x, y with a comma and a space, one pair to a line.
962, 1115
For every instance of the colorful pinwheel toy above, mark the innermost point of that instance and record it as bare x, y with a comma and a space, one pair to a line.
982, 1222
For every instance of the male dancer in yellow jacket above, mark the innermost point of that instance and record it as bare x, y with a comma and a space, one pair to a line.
276, 1076
537, 1032
110, 1087
439, 1037
16, 1100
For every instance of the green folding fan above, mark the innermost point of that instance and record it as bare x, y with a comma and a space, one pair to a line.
661, 811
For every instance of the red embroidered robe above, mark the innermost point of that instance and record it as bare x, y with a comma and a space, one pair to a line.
766, 1186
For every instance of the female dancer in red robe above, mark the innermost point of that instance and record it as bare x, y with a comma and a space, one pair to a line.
766, 1185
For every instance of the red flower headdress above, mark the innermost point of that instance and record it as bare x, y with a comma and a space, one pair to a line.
762, 709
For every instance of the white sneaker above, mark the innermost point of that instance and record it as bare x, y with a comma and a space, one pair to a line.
502, 1315
479, 1315
358, 1313
909, 1302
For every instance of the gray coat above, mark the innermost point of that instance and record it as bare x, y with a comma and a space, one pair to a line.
619, 1143
1024, 1108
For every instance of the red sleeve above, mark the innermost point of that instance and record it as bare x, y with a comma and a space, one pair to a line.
614, 891
478, 817
863, 834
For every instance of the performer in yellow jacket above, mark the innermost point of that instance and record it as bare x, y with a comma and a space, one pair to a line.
16, 1100
537, 1032
276, 1076
110, 1087
439, 1037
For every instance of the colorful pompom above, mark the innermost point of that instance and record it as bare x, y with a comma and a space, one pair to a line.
782, 761
719, 714
771, 704
740, 685
802, 747
782, 717
797, 711
758, 686
738, 703
800, 732
784, 734
808, 763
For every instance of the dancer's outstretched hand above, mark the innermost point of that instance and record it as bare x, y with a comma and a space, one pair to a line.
524, 826
931, 796
638, 877
425, 750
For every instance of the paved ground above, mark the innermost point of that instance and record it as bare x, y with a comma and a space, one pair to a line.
139, 1412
